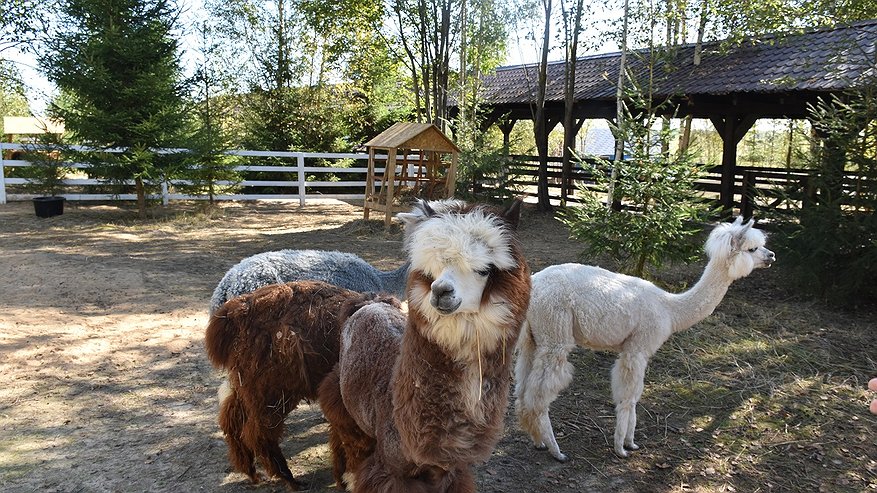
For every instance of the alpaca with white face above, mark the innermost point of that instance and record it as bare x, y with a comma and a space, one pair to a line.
578, 304
416, 400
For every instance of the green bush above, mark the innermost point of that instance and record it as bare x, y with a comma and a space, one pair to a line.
47, 169
831, 246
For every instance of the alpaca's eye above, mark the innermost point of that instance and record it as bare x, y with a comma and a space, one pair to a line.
484, 272
753, 250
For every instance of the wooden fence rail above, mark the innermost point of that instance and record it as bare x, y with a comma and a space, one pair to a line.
309, 181
755, 188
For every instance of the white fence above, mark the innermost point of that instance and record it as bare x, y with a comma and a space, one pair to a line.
297, 170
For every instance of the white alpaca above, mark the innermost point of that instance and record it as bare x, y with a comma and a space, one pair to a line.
578, 304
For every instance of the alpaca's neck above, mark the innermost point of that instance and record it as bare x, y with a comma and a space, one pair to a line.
697, 303
448, 410
394, 281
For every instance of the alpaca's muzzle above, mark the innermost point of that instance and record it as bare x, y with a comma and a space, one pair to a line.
769, 258
444, 298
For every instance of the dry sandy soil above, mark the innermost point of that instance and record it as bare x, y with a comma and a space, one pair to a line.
106, 386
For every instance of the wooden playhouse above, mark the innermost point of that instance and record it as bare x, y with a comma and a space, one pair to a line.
421, 162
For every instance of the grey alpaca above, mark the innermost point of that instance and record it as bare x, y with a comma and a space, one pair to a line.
341, 269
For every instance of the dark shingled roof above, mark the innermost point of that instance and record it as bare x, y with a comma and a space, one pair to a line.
825, 60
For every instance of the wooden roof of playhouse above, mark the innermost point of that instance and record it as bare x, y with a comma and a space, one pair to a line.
414, 166
407, 135
30, 125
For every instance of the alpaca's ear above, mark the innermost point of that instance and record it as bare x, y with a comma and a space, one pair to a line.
419, 213
750, 223
513, 213
739, 236
738, 221
427, 209
736, 242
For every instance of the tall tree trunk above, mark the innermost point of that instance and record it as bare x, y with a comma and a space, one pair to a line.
685, 136
412, 67
619, 109
282, 58
141, 197
443, 59
570, 128
540, 125
461, 104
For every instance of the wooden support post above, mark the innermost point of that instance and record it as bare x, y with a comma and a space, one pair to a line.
369, 182
2, 177
506, 128
732, 129
451, 178
747, 195
566, 188
808, 192
388, 186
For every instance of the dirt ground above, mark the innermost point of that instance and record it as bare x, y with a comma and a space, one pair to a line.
106, 386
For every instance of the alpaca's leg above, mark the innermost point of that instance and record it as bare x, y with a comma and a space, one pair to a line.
550, 373
372, 476
263, 434
348, 443
547, 432
329, 397
524, 362
233, 421
627, 387
523, 368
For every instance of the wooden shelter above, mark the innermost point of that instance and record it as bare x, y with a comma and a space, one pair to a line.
771, 76
421, 163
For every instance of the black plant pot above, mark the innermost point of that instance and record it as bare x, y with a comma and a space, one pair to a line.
48, 206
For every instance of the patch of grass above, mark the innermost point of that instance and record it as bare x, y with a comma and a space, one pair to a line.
762, 404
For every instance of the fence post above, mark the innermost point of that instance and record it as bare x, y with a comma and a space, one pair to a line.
301, 179
164, 193
2, 177
747, 196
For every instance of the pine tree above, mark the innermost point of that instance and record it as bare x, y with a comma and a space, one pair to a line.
118, 63
661, 209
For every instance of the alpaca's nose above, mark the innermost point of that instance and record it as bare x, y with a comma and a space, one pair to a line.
443, 297
441, 289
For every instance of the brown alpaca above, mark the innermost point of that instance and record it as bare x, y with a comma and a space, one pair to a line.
277, 344
423, 396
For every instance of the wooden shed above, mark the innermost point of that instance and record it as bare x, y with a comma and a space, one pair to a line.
421, 162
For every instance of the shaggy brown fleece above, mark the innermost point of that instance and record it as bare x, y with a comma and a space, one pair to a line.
414, 398
277, 344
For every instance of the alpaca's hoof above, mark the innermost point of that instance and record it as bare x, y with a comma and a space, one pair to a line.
559, 457
631, 446
294, 485
347, 481
540, 446
620, 452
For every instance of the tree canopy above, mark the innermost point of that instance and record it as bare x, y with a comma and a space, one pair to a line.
117, 62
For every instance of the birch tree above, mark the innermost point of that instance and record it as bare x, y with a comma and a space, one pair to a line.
540, 123
572, 29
